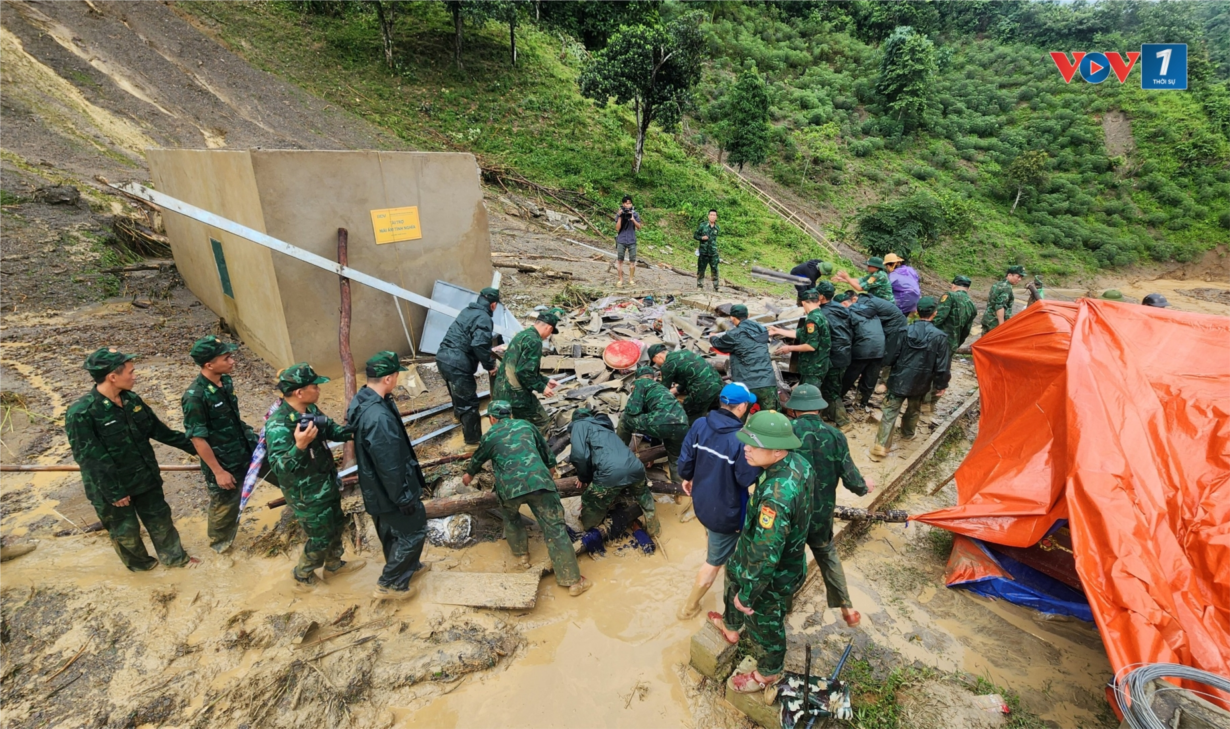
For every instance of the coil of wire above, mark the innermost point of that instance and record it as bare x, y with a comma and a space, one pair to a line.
1133, 682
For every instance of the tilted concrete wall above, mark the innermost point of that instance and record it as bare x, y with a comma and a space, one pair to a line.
287, 310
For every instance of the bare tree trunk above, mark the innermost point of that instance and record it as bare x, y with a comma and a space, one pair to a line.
384, 14
343, 337
642, 126
512, 35
457, 34
1018, 199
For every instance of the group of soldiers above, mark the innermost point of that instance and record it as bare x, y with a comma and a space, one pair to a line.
843, 340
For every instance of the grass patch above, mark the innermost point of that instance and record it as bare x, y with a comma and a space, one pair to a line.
530, 118
1019, 718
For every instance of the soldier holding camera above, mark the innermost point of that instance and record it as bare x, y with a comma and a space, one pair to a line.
627, 222
297, 434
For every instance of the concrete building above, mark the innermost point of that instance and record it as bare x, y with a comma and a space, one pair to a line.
425, 208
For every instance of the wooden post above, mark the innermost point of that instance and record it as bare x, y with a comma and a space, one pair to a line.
343, 340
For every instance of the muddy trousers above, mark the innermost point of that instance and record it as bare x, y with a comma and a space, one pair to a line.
464, 393
123, 525
549, 512
766, 397
322, 523
830, 389
223, 516
765, 629
401, 537
671, 435
710, 262
825, 554
865, 372
597, 499
888, 418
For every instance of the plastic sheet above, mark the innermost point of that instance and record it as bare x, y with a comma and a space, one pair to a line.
973, 567
1117, 418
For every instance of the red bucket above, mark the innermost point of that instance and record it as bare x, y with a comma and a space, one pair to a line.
622, 355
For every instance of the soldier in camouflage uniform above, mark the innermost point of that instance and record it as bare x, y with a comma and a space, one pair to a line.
304, 466
876, 283
686, 373
955, 317
1001, 299
706, 237
653, 411
841, 353
518, 378
769, 564
466, 346
521, 461
607, 468
812, 340
827, 452
222, 440
109, 430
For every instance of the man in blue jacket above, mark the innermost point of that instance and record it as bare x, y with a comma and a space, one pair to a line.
716, 475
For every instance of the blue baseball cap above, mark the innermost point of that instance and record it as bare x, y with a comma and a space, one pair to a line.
736, 393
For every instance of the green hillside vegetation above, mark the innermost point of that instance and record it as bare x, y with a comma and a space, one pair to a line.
978, 121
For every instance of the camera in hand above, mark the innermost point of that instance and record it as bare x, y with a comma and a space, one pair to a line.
626, 215
306, 419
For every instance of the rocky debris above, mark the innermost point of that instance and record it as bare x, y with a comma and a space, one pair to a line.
58, 195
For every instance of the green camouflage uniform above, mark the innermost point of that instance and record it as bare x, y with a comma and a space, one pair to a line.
813, 330
211, 412
518, 378
955, 317
827, 452
653, 411
1001, 298
708, 252
877, 284
111, 444
769, 563
521, 461
310, 483
698, 382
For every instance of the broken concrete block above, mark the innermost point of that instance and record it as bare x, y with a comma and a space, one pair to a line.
711, 654
753, 705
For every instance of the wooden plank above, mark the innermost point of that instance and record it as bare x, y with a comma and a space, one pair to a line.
514, 591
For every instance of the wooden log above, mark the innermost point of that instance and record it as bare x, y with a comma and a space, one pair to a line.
73, 467
343, 338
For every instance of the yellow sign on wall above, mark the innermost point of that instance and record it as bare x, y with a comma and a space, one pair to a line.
396, 224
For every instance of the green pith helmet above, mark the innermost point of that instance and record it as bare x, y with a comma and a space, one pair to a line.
769, 429
1113, 295
875, 262
825, 268
806, 398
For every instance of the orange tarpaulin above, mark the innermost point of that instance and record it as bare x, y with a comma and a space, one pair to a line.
1117, 418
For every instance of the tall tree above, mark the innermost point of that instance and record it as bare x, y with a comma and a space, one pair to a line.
1027, 170
509, 11
652, 67
749, 120
906, 72
384, 15
475, 11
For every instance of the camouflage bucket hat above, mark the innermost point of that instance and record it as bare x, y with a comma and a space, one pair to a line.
806, 398
383, 364
769, 429
106, 360
206, 348
645, 371
962, 281
499, 409
297, 376
809, 295
1018, 270
549, 317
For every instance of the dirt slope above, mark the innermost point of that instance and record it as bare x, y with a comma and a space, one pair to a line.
89, 85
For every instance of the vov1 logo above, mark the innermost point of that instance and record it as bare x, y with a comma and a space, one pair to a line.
1163, 66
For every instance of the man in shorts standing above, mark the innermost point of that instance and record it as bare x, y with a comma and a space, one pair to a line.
627, 222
